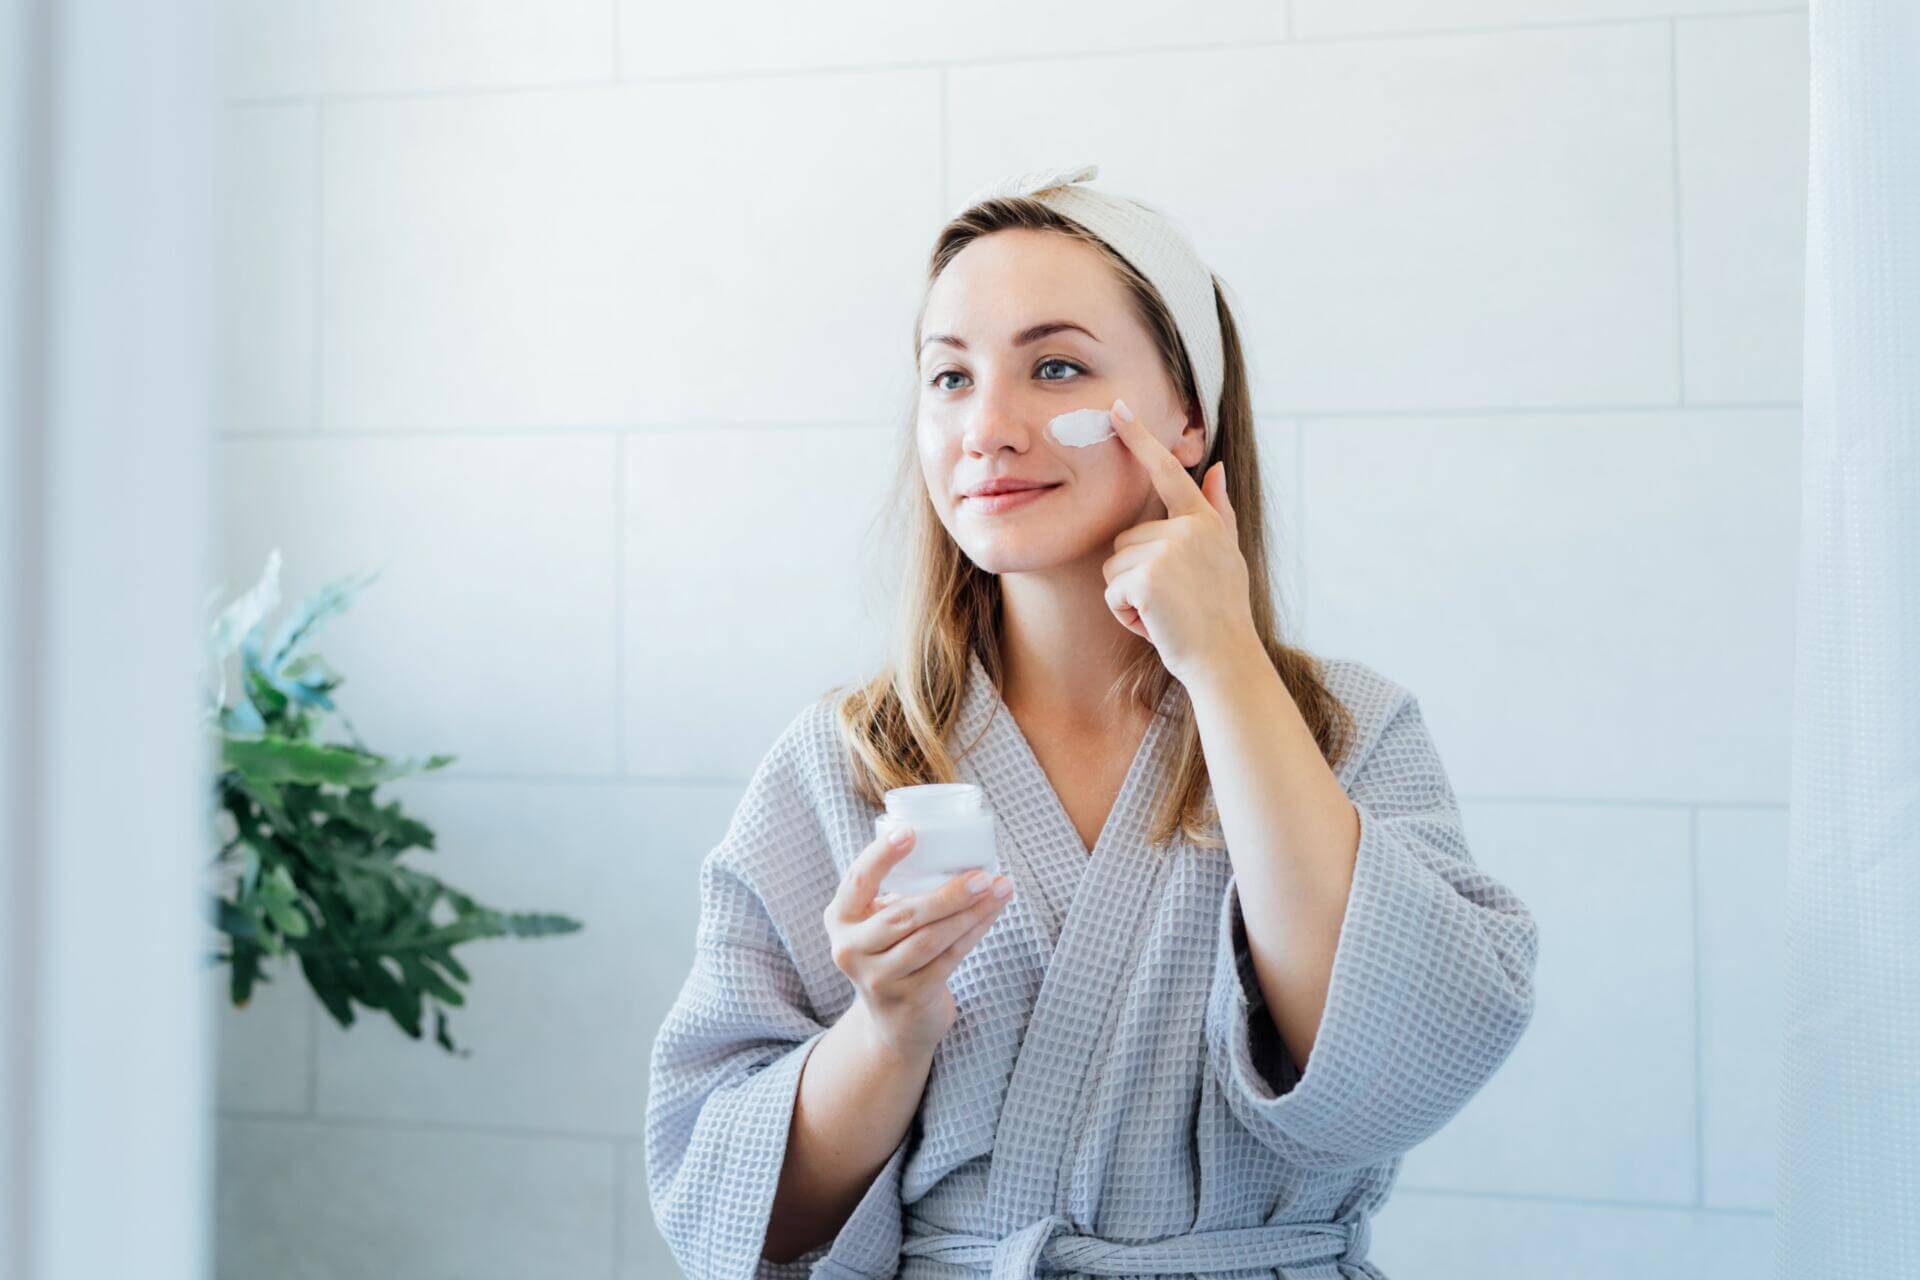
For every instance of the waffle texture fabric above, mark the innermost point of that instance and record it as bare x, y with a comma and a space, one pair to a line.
1112, 1098
1158, 250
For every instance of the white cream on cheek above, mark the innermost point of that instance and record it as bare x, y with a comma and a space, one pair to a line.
1082, 427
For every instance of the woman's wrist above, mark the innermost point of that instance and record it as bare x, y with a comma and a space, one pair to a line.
872, 1036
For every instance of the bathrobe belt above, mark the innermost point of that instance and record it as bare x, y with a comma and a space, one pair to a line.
1052, 1243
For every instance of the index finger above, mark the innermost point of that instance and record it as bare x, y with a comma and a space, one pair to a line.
1175, 487
862, 881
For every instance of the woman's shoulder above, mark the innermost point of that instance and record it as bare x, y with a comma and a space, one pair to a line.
809, 743
798, 801
1363, 687
1371, 696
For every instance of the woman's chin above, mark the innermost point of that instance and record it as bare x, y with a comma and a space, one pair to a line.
1013, 553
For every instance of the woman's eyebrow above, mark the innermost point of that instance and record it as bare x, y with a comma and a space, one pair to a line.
1032, 333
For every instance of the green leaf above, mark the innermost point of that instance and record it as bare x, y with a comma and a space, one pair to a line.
329, 983
246, 612
332, 598
313, 867
264, 758
246, 969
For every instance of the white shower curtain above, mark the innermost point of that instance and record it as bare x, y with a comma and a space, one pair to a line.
1849, 1174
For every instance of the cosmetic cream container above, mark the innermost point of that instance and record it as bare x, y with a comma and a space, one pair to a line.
953, 833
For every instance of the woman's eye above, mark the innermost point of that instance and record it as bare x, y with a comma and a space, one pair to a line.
935, 382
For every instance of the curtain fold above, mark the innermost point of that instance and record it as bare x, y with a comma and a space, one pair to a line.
1848, 1201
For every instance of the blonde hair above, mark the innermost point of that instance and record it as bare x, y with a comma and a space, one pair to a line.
896, 723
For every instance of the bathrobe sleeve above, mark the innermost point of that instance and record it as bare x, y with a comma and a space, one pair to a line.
1431, 987
726, 1063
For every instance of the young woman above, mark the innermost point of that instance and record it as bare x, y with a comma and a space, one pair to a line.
1247, 960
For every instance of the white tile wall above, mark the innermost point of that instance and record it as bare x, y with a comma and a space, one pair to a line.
658, 39
389, 46
264, 1053
1743, 940
1461, 221
489, 633
269, 220
583, 258
1591, 605
1447, 1237
588, 321
1318, 18
307, 1199
560, 1028
800, 611
1743, 121
1597, 1101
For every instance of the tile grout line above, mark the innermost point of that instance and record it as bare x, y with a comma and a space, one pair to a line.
411, 1124
741, 779
846, 424
619, 603
313, 1058
619, 1208
1002, 60
1699, 1020
316, 367
619, 1141
1584, 1202
1679, 263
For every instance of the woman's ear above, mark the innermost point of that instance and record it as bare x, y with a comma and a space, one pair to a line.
1191, 447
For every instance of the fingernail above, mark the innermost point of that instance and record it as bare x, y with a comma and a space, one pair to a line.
1003, 888
1120, 407
900, 836
979, 882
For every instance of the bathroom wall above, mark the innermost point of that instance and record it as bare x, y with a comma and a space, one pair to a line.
588, 323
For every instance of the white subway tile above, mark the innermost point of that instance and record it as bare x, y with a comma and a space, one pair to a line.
684, 39
1589, 605
755, 580
1458, 222
312, 1199
1316, 18
262, 1050
297, 47
489, 633
266, 262
1598, 1100
736, 252
1447, 1237
1743, 199
1743, 941
560, 1027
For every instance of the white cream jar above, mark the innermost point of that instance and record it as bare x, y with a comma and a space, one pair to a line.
953, 833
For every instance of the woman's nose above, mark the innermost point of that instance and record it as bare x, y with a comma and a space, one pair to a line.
996, 424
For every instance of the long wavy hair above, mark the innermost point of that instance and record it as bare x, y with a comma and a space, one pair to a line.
896, 724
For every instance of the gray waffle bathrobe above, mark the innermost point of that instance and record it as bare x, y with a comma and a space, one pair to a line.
1112, 1098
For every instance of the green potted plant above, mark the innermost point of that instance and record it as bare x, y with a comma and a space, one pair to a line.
309, 864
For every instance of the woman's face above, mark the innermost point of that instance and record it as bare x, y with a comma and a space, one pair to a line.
985, 406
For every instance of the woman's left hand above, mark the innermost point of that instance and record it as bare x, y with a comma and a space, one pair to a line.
1181, 582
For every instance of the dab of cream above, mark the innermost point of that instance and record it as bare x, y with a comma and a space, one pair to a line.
1082, 427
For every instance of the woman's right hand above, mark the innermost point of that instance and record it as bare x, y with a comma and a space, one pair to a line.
899, 952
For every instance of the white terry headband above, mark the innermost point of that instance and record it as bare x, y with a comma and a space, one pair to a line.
1156, 248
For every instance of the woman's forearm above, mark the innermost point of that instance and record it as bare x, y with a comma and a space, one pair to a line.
856, 1098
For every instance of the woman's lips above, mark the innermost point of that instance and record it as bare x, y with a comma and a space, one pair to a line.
994, 503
